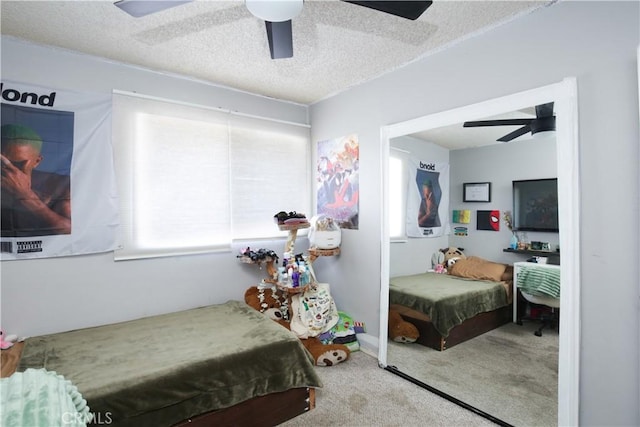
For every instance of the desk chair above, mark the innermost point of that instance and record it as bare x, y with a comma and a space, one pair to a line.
552, 317
538, 284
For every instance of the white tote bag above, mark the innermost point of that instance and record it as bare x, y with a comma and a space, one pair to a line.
313, 311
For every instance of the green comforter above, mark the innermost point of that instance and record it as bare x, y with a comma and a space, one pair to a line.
159, 370
447, 300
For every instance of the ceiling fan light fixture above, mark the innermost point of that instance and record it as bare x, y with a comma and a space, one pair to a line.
542, 134
139, 8
274, 10
543, 127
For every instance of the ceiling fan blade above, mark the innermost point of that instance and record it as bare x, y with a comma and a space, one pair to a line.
405, 9
516, 133
544, 110
503, 122
280, 38
138, 8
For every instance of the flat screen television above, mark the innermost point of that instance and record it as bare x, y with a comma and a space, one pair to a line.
535, 205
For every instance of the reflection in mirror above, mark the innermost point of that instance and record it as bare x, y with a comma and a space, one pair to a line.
507, 371
472, 345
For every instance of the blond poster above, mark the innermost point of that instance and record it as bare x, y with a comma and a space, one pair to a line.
58, 184
427, 199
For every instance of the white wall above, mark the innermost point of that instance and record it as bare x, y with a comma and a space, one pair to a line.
594, 41
413, 255
51, 295
499, 164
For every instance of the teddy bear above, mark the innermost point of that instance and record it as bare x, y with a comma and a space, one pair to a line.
275, 304
400, 330
451, 255
443, 259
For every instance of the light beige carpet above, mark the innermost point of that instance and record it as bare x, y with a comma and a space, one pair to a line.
509, 372
358, 393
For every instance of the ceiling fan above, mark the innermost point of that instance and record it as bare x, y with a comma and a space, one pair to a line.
545, 121
278, 14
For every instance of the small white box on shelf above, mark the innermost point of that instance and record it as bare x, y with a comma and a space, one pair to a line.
324, 233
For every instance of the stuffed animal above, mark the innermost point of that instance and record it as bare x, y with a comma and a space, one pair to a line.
6, 341
440, 269
451, 255
344, 332
445, 258
275, 304
400, 330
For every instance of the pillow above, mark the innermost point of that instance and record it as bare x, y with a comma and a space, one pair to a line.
507, 276
479, 269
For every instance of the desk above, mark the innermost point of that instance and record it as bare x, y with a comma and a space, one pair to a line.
553, 257
516, 267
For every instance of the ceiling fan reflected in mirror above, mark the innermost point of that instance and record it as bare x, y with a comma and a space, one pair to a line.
278, 14
139, 8
544, 122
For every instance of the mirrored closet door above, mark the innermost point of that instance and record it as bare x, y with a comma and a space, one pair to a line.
506, 372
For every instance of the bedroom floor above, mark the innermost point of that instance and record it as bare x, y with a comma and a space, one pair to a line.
509, 372
358, 393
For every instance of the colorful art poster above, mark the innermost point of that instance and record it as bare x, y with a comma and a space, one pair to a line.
58, 185
337, 180
461, 216
427, 199
488, 220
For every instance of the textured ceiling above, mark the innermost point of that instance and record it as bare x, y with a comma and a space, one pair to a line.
457, 137
336, 45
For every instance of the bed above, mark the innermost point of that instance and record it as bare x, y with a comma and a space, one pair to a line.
224, 364
448, 309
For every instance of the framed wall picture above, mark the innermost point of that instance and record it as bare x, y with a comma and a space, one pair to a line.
476, 192
488, 220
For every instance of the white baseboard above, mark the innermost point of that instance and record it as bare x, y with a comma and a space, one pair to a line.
368, 344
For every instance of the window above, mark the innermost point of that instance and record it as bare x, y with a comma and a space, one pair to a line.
397, 194
270, 173
192, 179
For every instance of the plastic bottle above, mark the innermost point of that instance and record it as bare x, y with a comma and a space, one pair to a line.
304, 276
513, 244
295, 279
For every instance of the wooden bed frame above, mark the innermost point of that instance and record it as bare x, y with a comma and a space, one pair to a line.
470, 328
269, 410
